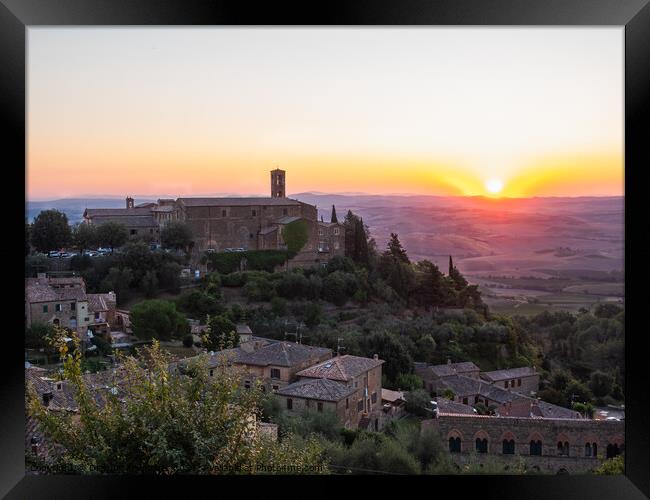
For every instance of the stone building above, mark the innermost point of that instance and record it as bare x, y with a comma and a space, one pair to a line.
248, 223
433, 375
524, 379
350, 385
64, 302
549, 445
274, 363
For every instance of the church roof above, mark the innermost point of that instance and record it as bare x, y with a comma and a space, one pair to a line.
237, 202
113, 212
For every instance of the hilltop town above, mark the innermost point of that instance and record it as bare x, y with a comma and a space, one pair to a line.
328, 334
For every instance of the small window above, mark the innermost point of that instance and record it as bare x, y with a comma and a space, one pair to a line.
374, 397
151, 231
505, 384
254, 213
337, 231
212, 373
307, 403
284, 210
289, 404
518, 382
57, 308
320, 406
464, 401
224, 213
360, 405
86, 320
275, 373
73, 306
44, 309
347, 403
247, 384
134, 231
275, 387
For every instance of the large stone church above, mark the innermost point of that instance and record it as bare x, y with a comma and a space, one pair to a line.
219, 224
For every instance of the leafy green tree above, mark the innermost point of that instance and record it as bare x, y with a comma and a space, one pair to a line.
338, 287
84, 236
295, 235
313, 314
162, 423
50, 231
448, 394
176, 235
169, 276
198, 304
430, 289
408, 382
578, 392
612, 466
601, 384
149, 284
117, 280
396, 250
606, 310
27, 238
279, 306
293, 285
112, 235
36, 336
390, 349
35, 264
158, 319
426, 348
221, 334
188, 340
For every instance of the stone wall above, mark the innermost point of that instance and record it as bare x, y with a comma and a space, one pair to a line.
577, 432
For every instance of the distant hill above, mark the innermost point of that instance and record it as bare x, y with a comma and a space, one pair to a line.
517, 236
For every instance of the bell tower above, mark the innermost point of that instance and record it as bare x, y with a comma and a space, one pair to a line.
278, 183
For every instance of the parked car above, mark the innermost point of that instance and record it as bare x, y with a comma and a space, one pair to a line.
54, 253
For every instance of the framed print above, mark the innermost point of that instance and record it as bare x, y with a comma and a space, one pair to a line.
368, 240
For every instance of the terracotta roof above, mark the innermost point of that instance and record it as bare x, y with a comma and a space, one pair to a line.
447, 406
127, 220
391, 396
268, 352
243, 329
116, 212
448, 369
101, 301
511, 373
342, 368
281, 354
40, 290
235, 201
287, 219
463, 386
321, 388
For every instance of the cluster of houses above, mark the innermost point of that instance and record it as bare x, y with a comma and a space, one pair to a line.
478, 413
63, 301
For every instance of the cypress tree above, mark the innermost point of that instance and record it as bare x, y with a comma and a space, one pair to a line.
451, 266
333, 218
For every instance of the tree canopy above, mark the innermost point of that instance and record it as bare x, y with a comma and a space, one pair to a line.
112, 234
50, 231
162, 422
158, 319
176, 235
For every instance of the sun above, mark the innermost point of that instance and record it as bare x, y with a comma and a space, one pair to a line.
494, 186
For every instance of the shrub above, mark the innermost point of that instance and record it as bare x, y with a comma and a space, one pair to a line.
188, 340
158, 319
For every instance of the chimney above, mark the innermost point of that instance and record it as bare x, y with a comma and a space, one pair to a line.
47, 397
376, 356
448, 361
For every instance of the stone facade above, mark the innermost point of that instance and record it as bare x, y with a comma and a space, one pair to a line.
218, 224
544, 444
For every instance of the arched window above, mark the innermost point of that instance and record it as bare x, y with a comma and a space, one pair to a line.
566, 448
588, 450
454, 444
594, 449
536, 447
508, 447
481, 445
612, 450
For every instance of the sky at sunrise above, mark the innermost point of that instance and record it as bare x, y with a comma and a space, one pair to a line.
443, 111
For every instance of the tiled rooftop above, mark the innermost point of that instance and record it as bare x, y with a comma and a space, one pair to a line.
511, 373
342, 368
321, 388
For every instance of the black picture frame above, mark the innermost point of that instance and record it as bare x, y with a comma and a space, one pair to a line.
17, 15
